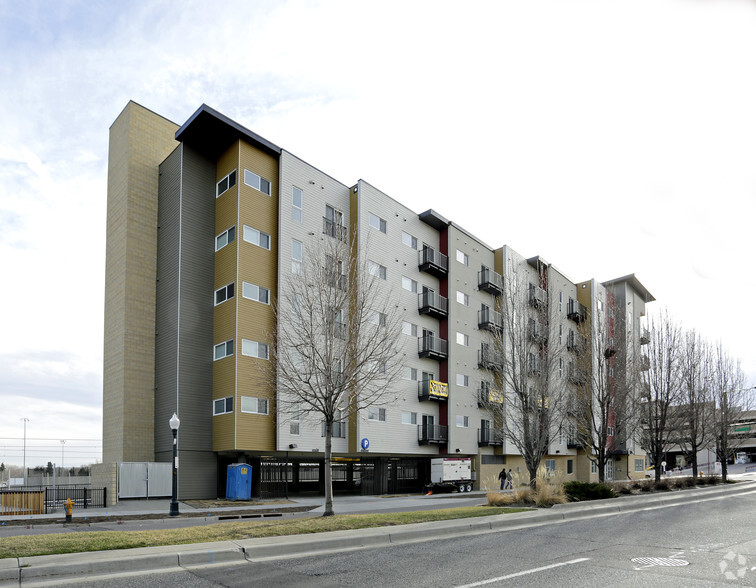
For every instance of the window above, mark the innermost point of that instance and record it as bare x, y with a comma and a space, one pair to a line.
225, 238
378, 318
223, 294
409, 240
409, 284
256, 182
296, 256
256, 237
463, 298
377, 270
228, 182
561, 367
409, 329
296, 205
409, 373
295, 416
254, 292
376, 222
254, 349
640, 464
224, 349
409, 418
550, 466
462, 257
254, 405
560, 306
560, 332
569, 466
462, 421
610, 431
463, 339
594, 467
376, 414
223, 405
463, 380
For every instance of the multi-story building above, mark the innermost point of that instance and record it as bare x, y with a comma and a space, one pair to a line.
206, 223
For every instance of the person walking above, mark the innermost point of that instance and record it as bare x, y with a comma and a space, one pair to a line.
502, 478
508, 485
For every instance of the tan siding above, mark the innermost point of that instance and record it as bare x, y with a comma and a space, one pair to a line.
223, 432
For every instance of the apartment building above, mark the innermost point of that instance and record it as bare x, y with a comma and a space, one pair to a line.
207, 224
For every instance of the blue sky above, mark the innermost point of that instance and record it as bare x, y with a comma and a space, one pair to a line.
609, 138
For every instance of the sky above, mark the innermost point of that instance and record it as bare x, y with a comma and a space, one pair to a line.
609, 138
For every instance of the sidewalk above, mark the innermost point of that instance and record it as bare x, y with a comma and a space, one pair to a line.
55, 568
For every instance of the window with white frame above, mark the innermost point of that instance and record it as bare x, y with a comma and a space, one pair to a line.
409, 240
228, 182
295, 416
409, 418
225, 293
255, 292
296, 256
463, 298
462, 421
256, 237
463, 380
463, 339
550, 466
376, 414
409, 329
594, 467
409, 284
254, 349
560, 334
570, 466
224, 349
640, 464
376, 222
225, 238
377, 270
223, 405
378, 318
258, 183
296, 205
560, 302
610, 431
561, 367
254, 405
409, 373
462, 257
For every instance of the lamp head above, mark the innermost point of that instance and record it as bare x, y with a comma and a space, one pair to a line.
174, 422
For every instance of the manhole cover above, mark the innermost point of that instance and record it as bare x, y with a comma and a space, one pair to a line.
659, 561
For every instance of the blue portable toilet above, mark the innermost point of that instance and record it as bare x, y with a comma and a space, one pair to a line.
239, 481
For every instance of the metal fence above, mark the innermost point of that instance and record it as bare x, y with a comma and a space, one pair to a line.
81, 497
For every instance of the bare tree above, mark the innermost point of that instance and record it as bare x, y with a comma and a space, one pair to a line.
662, 374
528, 363
338, 328
697, 415
731, 399
603, 407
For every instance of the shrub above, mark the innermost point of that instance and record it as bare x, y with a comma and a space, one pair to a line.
500, 498
547, 495
577, 491
662, 485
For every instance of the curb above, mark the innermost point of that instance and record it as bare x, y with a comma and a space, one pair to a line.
15, 571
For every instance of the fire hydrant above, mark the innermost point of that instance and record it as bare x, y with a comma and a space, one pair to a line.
69, 509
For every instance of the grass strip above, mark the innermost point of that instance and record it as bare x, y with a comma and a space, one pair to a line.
76, 542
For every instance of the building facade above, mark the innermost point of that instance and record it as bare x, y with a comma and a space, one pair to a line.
206, 223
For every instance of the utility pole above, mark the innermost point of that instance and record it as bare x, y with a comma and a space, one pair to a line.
62, 455
25, 421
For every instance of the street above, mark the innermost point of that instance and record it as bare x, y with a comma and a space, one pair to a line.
699, 544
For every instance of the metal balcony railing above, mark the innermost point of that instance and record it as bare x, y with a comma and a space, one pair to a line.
432, 390
490, 437
576, 311
433, 304
490, 359
433, 262
334, 229
490, 320
432, 434
491, 282
536, 296
432, 347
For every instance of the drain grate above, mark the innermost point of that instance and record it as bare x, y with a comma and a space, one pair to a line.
659, 561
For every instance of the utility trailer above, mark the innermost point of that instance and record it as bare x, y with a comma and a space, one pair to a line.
449, 474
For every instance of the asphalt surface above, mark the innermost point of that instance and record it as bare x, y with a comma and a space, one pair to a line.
56, 569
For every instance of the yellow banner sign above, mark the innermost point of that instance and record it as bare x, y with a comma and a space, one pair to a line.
440, 389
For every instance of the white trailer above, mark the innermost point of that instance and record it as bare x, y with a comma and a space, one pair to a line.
451, 473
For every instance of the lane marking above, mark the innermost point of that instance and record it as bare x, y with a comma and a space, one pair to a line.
525, 572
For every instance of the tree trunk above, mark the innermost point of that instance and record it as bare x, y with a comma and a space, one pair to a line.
694, 463
328, 510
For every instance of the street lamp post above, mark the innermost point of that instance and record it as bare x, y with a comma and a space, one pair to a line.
25, 421
62, 456
174, 423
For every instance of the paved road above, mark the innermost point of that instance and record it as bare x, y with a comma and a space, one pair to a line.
715, 538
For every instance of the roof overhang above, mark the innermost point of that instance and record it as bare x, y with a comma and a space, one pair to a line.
635, 284
432, 218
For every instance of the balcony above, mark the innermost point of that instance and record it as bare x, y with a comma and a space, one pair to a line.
536, 296
432, 434
576, 343
577, 376
576, 311
432, 348
537, 332
490, 320
336, 280
490, 438
432, 390
334, 229
572, 443
491, 282
490, 360
488, 396
433, 305
534, 366
645, 337
432, 262
338, 430
645, 363
610, 350
339, 330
